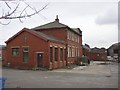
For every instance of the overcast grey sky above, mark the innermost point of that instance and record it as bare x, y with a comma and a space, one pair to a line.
97, 19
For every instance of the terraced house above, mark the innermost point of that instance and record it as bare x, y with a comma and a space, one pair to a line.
53, 45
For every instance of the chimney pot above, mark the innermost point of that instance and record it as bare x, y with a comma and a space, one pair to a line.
57, 18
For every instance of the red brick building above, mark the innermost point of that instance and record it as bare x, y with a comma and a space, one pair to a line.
98, 54
52, 45
95, 54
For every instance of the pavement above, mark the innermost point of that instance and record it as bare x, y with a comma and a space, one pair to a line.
96, 75
95, 67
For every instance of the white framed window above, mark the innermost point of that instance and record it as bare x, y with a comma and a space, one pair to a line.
25, 54
78, 39
15, 51
68, 35
75, 38
73, 52
72, 36
78, 52
68, 51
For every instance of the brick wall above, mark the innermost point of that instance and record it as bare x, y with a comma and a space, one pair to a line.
98, 56
35, 45
58, 33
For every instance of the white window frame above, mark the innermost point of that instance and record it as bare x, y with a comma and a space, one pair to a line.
73, 51
78, 52
68, 51
78, 38
73, 36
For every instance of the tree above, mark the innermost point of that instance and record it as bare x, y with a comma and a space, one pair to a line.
12, 10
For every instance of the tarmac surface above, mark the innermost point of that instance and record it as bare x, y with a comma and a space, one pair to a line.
96, 75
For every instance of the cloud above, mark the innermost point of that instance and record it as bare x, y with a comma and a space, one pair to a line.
109, 17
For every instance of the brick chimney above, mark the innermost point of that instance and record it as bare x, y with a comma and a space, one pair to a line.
57, 18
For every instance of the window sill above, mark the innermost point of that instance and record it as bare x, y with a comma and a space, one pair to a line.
56, 62
16, 56
25, 62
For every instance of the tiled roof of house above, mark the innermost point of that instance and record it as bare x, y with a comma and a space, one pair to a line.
56, 24
115, 46
86, 46
95, 49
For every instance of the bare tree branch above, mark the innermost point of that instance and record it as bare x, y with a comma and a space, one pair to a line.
7, 5
29, 5
22, 14
5, 23
9, 14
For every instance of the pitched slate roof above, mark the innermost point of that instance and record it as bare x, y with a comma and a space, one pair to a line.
114, 46
86, 47
54, 24
95, 49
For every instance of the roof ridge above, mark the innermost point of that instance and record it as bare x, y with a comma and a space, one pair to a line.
53, 24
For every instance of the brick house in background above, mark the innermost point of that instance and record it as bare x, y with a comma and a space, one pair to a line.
95, 54
98, 54
52, 45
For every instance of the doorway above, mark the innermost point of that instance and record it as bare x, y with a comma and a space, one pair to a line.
39, 59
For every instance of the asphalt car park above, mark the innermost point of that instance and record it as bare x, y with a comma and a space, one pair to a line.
95, 75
